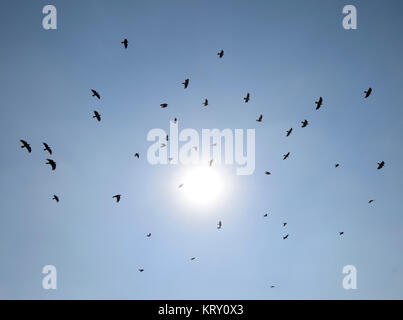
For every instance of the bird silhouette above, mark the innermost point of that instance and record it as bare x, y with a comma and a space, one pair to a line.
260, 118
55, 197
125, 43
175, 120
181, 185
341, 233
47, 148
336, 165
205, 103
381, 164
193, 258
148, 235
286, 156
267, 173
167, 138
219, 225
319, 103
304, 123
286, 236
272, 287
97, 115
164, 105
220, 54
141, 270
163, 145
136, 155
247, 98
211, 162
26, 145
284, 224
186, 83
265, 215
368, 92
95, 94
289, 132
52, 163
117, 197
370, 201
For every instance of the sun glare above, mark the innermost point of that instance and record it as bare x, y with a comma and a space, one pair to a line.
203, 185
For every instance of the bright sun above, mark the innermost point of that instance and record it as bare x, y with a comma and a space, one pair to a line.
203, 185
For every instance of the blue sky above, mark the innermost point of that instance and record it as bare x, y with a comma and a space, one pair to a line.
286, 54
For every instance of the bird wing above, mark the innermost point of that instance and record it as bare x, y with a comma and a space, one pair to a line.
52, 163
96, 94
26, 145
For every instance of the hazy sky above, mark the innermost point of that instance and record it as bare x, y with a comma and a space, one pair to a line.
286, 54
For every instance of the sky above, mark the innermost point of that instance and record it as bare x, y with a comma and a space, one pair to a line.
286, 54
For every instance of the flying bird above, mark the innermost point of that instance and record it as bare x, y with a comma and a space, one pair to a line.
181, 185
285, 237
26, 145
95, 94
286, 156
97, 115
284, 224
219, 225
289, 132
163, 145
148, 235
341, 233
272, 287
336, 165
260, 118
205, 103
136, 155
265, 215
211, 162
167, 138
319, 103
193, 258
175, 120
370, 201
247, 98
267, 173
304, 123
164, 105
117, 197
368, 92
141, 270
381, 164
220, 54
55, 197
47, 148
186, 83
125, 43
52, 163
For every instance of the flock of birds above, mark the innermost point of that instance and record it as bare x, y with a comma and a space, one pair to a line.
205, 103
